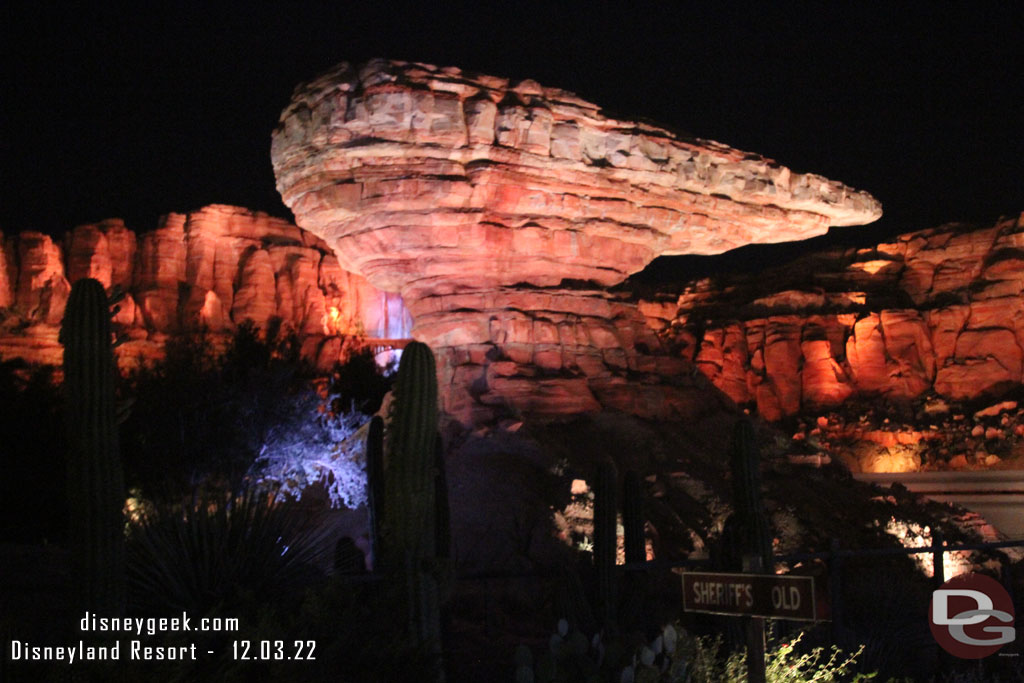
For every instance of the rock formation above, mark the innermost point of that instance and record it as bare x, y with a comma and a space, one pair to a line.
934, 310
210, 269
502, 211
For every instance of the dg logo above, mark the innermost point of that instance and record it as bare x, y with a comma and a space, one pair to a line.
971, 616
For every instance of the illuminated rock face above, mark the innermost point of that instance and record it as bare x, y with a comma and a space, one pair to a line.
501, 211
210, 269
939, 309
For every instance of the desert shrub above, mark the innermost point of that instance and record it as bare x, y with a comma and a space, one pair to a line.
201, 420
216, 553
675, 656
306, 445
359, 384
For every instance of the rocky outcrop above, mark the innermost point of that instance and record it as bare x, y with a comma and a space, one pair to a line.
211, 269
938, 310
502, 211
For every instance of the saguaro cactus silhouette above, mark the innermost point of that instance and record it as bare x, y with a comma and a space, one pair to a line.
749, 528
95, 477
606, 538
415, 517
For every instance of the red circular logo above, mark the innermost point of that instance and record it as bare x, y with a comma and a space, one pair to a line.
971, 616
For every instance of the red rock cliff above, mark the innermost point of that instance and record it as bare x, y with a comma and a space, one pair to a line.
213, 268
502, 211
939, 309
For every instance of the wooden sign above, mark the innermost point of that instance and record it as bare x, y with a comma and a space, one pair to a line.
755, 595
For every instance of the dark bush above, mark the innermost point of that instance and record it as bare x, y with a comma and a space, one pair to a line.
32, 454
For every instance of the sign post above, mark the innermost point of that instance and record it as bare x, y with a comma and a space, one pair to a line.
756, 596
771, 596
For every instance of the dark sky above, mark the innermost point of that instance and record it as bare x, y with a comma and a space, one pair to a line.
134, 113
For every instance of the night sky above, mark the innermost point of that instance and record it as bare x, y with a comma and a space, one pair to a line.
134, 113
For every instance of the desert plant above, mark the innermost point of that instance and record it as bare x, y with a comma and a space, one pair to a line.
213, 422
633, 518
674, 656
411, 524
305, 445
747, 533
96, 491
785, 663
605, 539
216, 551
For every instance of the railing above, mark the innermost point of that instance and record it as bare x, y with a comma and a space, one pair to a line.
379, 345
834, 558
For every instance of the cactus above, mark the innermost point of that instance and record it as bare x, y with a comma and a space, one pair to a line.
96, 491
571, 601
375, 487
409, 474
605, 537
411, 527
633, 518
442, 513
750, 533
634, 584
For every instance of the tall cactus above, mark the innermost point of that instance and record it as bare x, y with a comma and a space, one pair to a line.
442, 512
410, 492
751, 531
605, 538
96, 492
633, 518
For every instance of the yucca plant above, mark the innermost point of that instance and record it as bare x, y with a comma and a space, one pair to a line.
213, 552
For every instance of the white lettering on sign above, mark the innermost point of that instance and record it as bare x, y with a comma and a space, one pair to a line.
718, 594
786, 599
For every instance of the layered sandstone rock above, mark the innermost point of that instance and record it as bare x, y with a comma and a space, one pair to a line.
935, 310
210, 269
502, 211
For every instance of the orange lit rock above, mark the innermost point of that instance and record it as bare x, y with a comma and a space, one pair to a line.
8, 273
723, 358
254, 300
42, 289
865, 352
823, 380
210, 269
160, 274
857, 332
501, 211
984, 361
910, 359
945, 325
